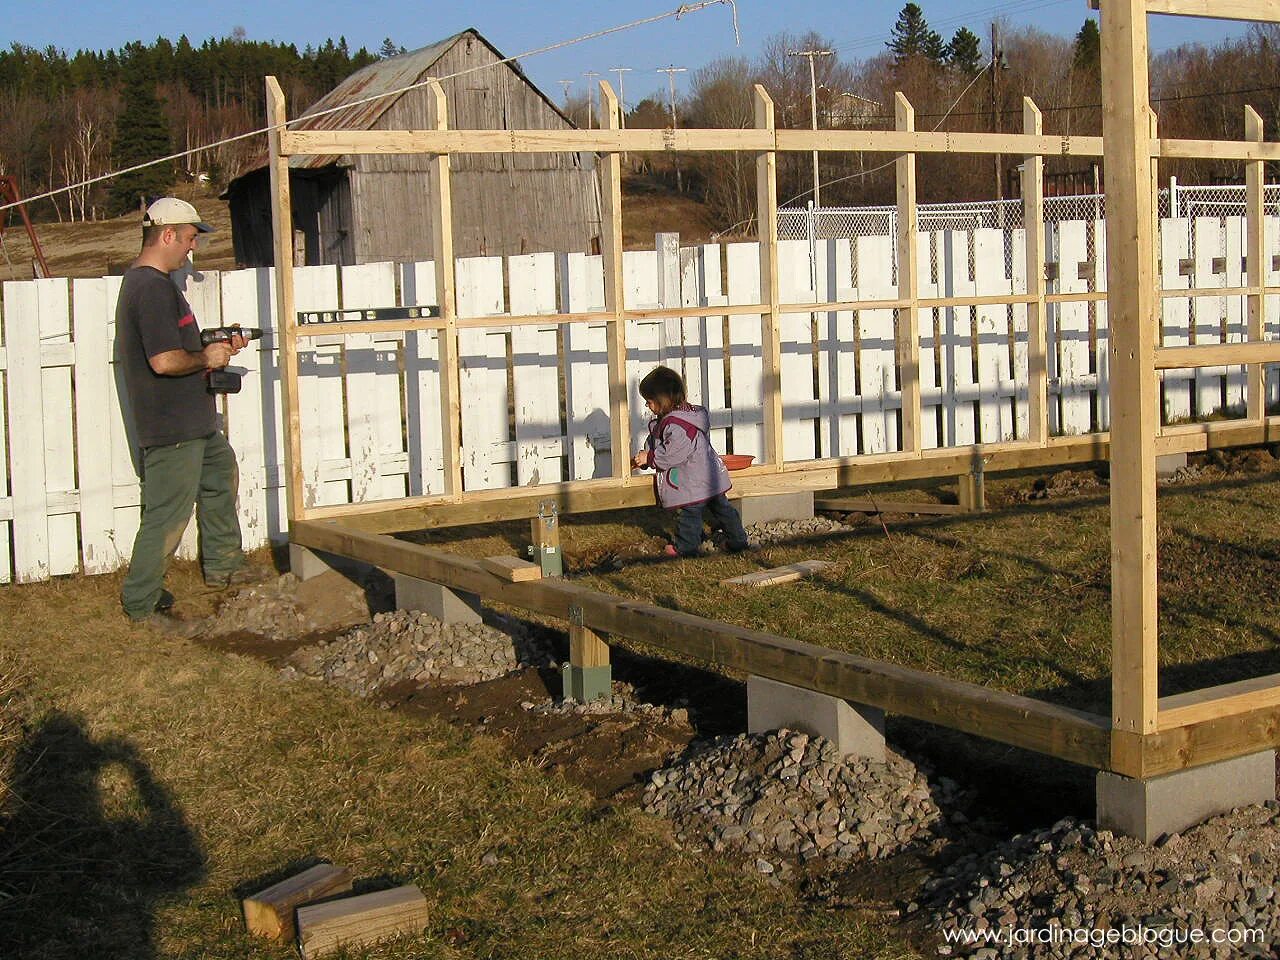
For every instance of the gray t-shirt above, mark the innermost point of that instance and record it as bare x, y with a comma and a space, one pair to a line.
153, 317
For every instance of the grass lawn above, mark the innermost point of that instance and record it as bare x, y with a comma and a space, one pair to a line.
155, 782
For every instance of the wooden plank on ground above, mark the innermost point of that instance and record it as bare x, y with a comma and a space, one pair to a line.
512, 569
777, 575
359, 921
871, 505
270, 913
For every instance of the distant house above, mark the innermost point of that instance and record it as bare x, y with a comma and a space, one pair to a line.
364, 209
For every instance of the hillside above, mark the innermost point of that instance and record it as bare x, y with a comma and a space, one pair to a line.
106, 247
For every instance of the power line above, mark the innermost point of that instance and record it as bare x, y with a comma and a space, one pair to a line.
678, 13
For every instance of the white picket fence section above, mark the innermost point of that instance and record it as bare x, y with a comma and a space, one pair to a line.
535, 398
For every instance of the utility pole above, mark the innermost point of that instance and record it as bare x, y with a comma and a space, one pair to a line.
813, 109
591, 98
622, 101
671, 85
997, 64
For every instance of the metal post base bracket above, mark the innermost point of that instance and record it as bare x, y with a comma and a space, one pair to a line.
585, 684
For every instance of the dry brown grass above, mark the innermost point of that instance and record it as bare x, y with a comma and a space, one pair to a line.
166, 780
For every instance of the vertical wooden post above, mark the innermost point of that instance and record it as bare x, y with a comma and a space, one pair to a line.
586, 648
446, 296
611, 255
1033, 223
286, 316
1255, 258
770, 322
1131, 309
908, 339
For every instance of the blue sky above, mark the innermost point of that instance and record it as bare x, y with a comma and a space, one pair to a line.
857, 28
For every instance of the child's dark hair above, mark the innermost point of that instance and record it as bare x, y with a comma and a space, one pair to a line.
663, 382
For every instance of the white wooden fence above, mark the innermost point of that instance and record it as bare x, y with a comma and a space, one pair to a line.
535, 398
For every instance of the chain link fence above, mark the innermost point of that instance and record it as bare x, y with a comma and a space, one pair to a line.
1174, 202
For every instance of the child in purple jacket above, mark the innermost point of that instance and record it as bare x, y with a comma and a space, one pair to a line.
691, 477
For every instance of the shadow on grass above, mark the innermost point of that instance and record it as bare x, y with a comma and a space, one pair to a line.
91, 848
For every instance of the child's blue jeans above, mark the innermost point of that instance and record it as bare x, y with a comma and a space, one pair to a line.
722, 514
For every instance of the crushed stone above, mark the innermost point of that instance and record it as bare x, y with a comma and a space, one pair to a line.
786, 798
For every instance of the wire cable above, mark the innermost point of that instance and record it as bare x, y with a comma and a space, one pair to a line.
678, 13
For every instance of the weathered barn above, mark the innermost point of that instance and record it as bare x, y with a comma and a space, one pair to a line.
364, 209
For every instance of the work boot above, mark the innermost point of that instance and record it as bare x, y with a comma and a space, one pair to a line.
241, 576
168, 625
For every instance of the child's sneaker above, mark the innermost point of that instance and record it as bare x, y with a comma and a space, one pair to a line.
670, 550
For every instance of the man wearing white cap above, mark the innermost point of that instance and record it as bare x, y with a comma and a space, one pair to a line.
186, 460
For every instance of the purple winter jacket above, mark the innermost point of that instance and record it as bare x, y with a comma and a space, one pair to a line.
689, 470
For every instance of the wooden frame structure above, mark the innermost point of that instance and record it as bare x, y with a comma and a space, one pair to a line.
1146, 735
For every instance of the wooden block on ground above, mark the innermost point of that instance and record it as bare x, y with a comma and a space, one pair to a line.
512, 569
777, 575
868, 505
269, 913
358, 921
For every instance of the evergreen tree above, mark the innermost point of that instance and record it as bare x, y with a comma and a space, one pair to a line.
912, 37
1088, 50
389, 49
142, 134
964, 52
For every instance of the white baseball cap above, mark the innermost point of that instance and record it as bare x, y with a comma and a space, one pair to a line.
168, 211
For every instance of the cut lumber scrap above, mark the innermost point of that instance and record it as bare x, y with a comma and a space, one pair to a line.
358, 921
777, 575
512, 569
869, 505
269, 913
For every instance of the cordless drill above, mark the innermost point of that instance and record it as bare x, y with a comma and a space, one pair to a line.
224, 380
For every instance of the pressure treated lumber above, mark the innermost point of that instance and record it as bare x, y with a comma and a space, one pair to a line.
359, 921
512, 569
1213, 703
1072, 735
872, 505
614, 298
269, 913
776, 576
907, 339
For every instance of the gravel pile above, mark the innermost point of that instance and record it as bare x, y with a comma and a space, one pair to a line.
269, 610
785, 797
407, 645
1219, 875
783, 530
622, 703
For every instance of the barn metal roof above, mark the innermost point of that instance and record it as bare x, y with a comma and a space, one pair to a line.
383, 77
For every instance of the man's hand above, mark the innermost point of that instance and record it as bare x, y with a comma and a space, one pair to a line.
218, 355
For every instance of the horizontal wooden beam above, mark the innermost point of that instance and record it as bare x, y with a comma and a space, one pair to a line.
925, 141
1263, 11
1062, 732
1214, 150
1217, 354
345, 142
587, 496
1196, 706
1198, 742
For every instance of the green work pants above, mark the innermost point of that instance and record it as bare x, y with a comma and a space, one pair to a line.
176, 476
